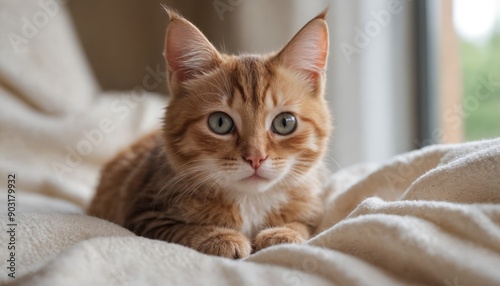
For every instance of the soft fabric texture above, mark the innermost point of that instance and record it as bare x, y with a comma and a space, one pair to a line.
51, 107
431, 216
427, 217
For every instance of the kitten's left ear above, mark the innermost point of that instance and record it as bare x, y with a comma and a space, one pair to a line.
307, 52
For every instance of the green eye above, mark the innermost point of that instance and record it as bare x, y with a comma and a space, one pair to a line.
284, 124
220, 123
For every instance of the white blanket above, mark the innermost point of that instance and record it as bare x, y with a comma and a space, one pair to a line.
427, 217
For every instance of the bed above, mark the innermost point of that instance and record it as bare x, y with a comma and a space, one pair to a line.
431, 216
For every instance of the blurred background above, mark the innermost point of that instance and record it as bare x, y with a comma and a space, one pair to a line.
401, 74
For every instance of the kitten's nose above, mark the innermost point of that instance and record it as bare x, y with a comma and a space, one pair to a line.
255, 159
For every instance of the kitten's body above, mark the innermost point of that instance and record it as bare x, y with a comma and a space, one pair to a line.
217, 192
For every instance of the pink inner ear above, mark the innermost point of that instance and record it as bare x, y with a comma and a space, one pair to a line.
322, 55
187, 51
319, 60
308, 50
172, 55
323, 51
177, 42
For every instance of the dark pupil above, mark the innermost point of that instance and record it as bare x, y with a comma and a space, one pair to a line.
283, 121
220, 122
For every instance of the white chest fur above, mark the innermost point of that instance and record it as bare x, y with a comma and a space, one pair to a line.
255, 208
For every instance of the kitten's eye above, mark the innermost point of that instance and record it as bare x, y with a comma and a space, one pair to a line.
220, 123
284, 124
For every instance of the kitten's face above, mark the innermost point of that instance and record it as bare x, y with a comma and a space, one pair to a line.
246, 123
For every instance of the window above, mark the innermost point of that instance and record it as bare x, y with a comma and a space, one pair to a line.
478, 26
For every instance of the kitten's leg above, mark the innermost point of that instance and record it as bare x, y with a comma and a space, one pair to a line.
294, 232
211, 240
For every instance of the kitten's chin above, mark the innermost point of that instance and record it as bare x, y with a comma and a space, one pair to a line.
251, 184
255, 178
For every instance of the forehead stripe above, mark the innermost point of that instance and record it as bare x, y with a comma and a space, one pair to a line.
237, 85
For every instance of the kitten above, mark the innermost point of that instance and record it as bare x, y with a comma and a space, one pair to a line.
238, 164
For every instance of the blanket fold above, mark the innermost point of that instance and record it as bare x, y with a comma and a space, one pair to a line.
430, 216
364, 239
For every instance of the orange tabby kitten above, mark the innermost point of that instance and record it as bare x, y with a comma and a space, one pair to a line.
238, 164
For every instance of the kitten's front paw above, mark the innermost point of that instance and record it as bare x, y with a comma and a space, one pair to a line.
227, 243
277, 235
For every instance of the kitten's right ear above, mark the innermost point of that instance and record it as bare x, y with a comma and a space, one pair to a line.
187, 51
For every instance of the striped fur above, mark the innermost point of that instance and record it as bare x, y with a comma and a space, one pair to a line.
187, 185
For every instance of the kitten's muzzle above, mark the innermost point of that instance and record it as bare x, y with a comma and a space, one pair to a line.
256, 159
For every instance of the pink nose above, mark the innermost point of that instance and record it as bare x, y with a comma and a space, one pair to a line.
255, 160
